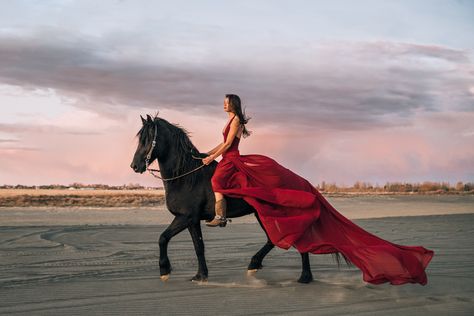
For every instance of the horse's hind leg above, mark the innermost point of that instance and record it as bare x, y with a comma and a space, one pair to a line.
256, 261
306, 275
196, 235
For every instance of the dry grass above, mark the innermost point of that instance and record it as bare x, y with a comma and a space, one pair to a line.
88, 198
126, 198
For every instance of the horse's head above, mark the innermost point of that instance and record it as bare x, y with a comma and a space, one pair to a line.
149, 133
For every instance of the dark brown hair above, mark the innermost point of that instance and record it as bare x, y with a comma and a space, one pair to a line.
236, 107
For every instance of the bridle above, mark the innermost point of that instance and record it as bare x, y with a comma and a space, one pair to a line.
148, 157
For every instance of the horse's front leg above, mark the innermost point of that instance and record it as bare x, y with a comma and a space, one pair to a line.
178, 224
196, 235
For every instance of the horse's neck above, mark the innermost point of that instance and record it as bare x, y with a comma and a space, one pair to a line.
168, 167
166, 171
168, 163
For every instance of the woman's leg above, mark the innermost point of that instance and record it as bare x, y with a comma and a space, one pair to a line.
218, 196
219, 179
220, 211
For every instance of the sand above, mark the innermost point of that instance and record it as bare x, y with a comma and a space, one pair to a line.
108, 265
353, 207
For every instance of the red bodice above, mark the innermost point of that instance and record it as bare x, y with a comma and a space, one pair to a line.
234, 147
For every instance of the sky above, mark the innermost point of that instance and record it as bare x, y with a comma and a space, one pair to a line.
337, 91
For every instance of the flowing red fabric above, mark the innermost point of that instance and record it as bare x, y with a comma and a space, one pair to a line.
294, 213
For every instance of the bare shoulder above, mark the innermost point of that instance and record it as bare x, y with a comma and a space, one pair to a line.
238, 126
236, 121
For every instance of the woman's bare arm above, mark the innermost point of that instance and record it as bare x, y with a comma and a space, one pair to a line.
214, 149
234, 128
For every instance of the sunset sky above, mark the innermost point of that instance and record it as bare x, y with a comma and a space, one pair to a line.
337, 91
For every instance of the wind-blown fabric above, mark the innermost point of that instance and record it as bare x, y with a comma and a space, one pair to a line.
295, 214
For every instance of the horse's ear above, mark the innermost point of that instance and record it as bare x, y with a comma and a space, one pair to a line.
148, 118
143, 120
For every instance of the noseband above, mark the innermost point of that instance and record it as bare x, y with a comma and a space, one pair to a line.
148, 157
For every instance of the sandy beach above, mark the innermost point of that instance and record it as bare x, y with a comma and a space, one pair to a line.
88, 261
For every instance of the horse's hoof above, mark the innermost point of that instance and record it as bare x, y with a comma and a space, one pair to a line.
305, 278
198, 278
251, 271
165, 268
165, 277
255, 265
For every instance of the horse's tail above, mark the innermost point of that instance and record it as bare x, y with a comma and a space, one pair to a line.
337, 257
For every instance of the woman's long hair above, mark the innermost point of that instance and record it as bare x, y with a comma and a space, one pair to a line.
236, 107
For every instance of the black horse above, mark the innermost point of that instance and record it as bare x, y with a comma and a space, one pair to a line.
190, 198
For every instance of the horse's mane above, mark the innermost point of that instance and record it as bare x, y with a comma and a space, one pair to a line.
179, 137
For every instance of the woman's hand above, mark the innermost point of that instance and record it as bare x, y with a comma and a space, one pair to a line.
208, 159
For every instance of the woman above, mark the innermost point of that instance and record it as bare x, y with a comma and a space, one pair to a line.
295, 214
233, 131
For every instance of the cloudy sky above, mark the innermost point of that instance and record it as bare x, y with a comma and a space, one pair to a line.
337, 91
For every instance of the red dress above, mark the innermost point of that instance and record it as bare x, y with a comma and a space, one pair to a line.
295, 214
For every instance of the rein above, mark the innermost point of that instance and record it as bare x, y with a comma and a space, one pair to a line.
148, 157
